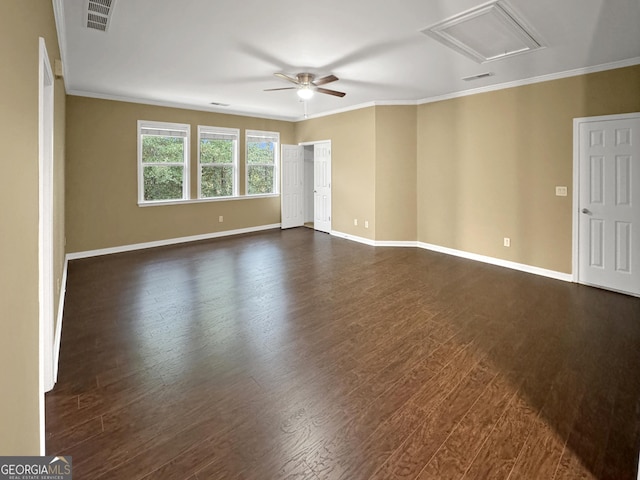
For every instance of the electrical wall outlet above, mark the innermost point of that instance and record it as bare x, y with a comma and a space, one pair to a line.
355, 222
220, 219
561, 191
507, 242
366, 224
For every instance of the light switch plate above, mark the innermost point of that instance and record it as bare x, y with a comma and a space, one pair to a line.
561, 191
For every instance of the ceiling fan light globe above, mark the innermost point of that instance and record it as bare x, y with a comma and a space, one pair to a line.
305, 93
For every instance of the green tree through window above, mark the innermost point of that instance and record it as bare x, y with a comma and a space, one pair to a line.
262, 150
163, 161
218, 154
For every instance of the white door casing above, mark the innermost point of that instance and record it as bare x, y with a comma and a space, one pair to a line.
322, 186
608, 215
292, 189
45, 231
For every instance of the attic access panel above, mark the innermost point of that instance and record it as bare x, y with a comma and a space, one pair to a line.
489, 32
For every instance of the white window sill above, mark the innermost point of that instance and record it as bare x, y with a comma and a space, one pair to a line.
205, 200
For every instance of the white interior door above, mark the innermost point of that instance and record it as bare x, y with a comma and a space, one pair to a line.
292, 187
609, 198
322, 186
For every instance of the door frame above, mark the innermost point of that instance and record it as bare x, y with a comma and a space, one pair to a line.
46, 315
577, 122
303, 144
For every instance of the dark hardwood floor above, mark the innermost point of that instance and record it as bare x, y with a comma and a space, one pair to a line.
296, 355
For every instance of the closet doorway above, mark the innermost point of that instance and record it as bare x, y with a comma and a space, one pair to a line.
312, 162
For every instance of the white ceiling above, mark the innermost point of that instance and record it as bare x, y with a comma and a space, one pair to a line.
190, 53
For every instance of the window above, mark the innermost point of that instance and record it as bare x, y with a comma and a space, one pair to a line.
262, 162
163, 161
217, 162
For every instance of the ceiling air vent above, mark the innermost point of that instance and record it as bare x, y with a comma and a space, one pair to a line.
218, 104
478, 76
490, 32
99, 14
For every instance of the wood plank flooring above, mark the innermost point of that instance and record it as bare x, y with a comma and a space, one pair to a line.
297, 355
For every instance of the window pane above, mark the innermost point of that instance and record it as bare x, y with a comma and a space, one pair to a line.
162, 149
260, 152
260, 179
162, 183
216, 181
216, 151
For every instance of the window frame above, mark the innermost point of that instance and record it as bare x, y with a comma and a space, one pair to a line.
276, 161
186, 160
236, 154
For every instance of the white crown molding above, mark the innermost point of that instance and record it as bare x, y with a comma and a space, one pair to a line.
528, 81
438, 98
360, 106
184, 106
167, 242
491, 88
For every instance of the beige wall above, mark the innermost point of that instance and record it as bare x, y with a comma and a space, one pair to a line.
102, 209
22, 22
396, 173
488, 164
353, 171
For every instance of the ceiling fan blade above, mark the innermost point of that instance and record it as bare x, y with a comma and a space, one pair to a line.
325, 80
286, 77
330, 92
284, 88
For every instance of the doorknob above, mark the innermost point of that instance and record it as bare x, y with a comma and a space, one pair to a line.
584, 210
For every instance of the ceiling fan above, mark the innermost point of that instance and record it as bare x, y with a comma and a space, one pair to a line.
306, 85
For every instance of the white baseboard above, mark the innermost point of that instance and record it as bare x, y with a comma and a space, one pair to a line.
565, 277
395, 243
58, 332
374, 243
354, 238
169, 241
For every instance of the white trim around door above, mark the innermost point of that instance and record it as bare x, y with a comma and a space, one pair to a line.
45, 231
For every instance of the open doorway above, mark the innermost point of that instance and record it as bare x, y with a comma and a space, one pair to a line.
305, 194
317, 185
308, 185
